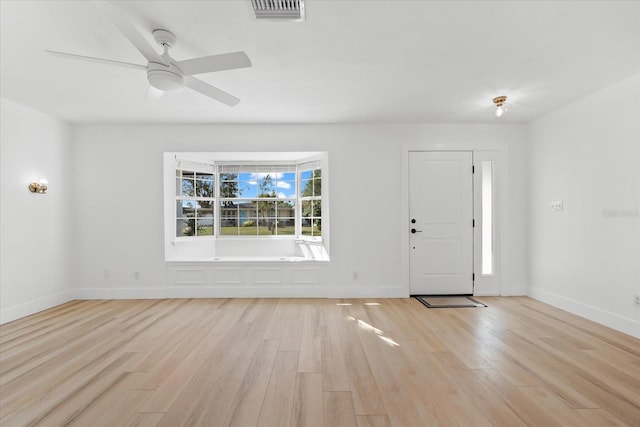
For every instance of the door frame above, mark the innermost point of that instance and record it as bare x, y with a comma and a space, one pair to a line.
484, 284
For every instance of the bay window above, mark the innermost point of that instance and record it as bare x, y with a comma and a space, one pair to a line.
222, 198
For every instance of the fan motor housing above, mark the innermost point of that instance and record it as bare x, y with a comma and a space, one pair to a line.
168, 78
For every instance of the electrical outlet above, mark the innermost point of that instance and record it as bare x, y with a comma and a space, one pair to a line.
636, 300
355, 275
136, 275
106, 274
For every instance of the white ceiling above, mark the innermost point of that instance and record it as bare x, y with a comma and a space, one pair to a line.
350, 61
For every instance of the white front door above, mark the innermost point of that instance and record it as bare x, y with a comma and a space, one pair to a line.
441, 223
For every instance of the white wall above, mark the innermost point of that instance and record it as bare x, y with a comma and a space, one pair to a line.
119, 203
586, 259
36, 229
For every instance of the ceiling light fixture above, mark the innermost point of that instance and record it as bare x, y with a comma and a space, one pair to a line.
501, 108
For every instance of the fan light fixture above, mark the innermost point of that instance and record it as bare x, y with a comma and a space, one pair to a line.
167, 79
163, 72
501, 108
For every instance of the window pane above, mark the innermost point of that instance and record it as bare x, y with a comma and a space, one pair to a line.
188, 187
205, 188
286, 185
204, 208
266, 209
185, 227
185, 208
286, 226
286, 209
317, 187
229, 231
306, 227
247, 208
310, 186
228, 218
307, 208
304, 175
248, 227
487, 217
311, 208
311, 227
266, 183
248, 184
286, 189
229, 185
204, 227
306, 188
247, 217
266, 226
285, 218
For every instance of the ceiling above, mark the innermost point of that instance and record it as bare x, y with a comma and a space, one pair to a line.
348, 62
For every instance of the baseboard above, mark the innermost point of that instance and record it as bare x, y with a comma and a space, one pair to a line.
121, 293
366, 292
595, 314
486, 294
515, 290
34, 306
247, 292
241, 292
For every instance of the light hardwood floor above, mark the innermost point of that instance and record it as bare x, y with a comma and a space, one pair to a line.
294, 362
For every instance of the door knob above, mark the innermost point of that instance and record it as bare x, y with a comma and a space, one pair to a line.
414, 231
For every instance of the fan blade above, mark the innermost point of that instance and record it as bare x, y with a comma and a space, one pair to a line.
210, 91
208, 64
127, 29
98, 60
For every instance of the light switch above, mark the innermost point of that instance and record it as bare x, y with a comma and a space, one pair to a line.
557, 206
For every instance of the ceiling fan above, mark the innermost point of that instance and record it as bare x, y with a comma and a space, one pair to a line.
163, 72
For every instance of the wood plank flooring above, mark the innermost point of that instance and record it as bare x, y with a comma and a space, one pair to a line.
315, 362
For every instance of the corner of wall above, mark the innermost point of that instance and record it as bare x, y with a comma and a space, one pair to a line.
584, 257
34, 146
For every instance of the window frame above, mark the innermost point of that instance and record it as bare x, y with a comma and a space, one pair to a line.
310, 167
256, 168
195, 169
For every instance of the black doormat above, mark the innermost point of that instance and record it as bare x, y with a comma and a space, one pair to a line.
448, 301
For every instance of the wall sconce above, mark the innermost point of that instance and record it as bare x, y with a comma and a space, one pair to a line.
501, 108
39, 187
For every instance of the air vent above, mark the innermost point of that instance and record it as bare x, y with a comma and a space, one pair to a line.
290, 10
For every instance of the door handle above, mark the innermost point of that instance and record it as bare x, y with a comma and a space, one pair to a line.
414, 231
